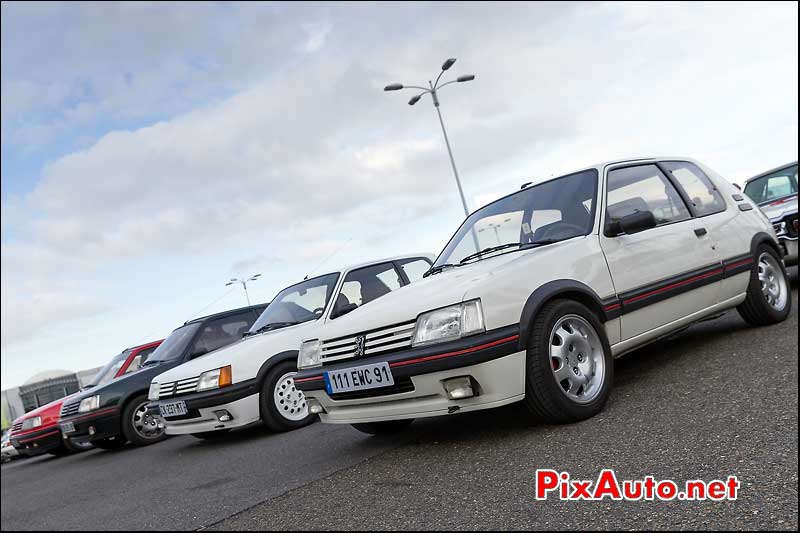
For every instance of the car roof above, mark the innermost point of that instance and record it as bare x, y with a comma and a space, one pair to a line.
787, 165
355, 266
258, 307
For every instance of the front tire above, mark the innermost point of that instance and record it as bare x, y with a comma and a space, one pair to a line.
570, 369
769, 299
283, 406
140, 428
389, 427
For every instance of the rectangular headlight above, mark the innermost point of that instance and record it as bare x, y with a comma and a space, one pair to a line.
89, 404
152, 394
33, 422
449, 323
215, 379
310, 353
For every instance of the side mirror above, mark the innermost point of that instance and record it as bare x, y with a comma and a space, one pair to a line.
633, 223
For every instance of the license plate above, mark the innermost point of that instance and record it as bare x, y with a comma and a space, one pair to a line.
67, 427
358, 378
173, 409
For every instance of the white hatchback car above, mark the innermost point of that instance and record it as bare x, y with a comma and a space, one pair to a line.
252, 379
537, 292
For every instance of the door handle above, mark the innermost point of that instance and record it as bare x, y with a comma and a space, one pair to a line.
700, 232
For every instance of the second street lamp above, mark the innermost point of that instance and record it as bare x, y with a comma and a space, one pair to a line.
243, 282
433, 90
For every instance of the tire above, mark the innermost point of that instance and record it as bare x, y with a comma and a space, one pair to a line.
138, 427
111, 443
283, 408
768, 301
212, 435
583, 359
389, 427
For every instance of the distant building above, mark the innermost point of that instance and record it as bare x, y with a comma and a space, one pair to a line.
42, 389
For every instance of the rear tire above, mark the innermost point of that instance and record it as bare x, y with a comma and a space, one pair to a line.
110, 443
769, 298
212, 435
283, 407
569, 368
389, 427
140, 428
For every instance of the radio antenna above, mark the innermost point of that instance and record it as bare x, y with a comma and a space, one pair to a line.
336, 251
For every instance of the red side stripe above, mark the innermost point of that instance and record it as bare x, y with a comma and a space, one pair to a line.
740, 263
674, 286
304, 380
613, 306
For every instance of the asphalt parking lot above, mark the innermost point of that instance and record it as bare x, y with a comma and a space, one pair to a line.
719, 399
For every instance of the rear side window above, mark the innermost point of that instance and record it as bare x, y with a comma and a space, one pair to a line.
703, 194
643, 188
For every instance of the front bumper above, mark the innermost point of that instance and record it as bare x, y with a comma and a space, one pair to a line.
101, 424
37, 442
494, 360
240, 400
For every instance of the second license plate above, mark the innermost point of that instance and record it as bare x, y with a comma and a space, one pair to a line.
358, 378
173, 409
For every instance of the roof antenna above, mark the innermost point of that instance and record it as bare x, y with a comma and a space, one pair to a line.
336, 251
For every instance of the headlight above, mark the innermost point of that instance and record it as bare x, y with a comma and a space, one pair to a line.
89, 404
449, 323
33, 422
152, 394
309, 356
215, 379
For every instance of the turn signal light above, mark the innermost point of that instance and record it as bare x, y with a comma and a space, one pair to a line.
225, 376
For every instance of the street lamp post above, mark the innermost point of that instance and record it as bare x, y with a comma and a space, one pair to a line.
243, 282
433, 90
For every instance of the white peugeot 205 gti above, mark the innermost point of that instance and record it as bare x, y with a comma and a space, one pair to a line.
253, 379
537, 292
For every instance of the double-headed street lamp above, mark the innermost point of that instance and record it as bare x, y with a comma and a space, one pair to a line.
434, 92
244, 284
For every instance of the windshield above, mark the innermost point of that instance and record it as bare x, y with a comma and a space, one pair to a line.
175, 344
299, 303
779, 184
552, 211
108, 372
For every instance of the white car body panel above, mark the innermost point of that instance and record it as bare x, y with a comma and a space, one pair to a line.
610, 267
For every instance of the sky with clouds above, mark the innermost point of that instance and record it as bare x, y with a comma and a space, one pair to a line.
151, 151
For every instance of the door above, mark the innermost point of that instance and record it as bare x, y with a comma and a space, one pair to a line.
664, 273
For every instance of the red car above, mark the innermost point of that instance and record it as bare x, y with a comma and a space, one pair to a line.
37, 432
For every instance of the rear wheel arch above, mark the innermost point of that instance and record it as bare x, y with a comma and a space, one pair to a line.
558, 289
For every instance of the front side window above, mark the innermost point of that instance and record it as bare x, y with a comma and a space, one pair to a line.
221, 332
365, 285
299, 303
552, 211
643, 188
774, 186
175, 345
140, 358
414, 269
704, 196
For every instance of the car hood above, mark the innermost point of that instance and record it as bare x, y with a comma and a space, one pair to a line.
116, 383
261, 347
405, 304
780, 208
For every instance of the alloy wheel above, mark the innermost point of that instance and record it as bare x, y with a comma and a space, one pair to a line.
289, 401
577, 359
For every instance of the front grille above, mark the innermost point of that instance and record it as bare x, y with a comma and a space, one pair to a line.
389, 339
16, 427
69, 409
174, 388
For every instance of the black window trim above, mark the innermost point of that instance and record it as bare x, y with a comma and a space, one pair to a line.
686, 199
670, 180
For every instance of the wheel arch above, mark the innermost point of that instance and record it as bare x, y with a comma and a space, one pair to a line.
269, 364
562, 288
763, 237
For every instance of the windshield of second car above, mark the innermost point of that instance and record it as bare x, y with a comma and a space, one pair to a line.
779, 184
174, 345
299, 303
552, 211
108, 372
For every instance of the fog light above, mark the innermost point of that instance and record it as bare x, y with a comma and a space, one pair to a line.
223, 416
459, 388
314, 407
91, 430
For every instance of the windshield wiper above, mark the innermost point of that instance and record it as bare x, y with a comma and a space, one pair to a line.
436, 269
520, 246
268, 327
